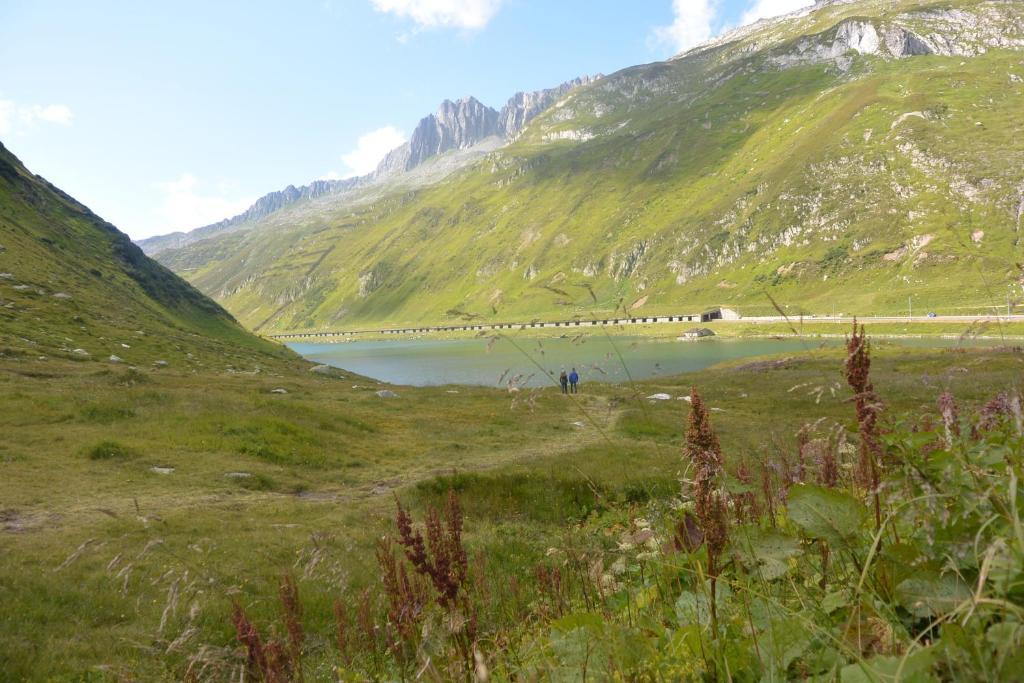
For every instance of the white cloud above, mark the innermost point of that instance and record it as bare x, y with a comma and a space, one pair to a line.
16, 118
184, 206
466, 14
764, 9
370, 149
692, 25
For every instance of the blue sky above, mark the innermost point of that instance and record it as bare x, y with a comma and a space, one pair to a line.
166, 116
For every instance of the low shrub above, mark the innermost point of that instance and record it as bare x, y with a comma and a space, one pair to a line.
111, 450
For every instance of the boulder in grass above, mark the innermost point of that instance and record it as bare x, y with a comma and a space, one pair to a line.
387, 393
659, 397
81, 352
327, 371
61, 295
115, 359
279, 391
161, 363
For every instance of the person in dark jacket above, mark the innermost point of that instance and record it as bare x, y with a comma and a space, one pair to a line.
563, 379
574, 380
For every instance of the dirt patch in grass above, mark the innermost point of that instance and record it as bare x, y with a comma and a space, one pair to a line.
764, 365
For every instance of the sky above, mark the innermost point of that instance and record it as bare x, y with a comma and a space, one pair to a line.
164, 116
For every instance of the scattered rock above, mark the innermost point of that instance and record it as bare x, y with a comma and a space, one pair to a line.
114, 359
237, 475
279, 391
161, 363
685, 398
125, 346
659, 397
387, 393
6, 276
977, 236
903, 117
81, 352
22, 288
161, 470
452, 391
61, 295
327, 371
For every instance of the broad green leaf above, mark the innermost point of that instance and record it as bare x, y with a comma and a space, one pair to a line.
1005, 636
694, 608
914, 668
826, 514
577, 620
766, 550
784, 640
931, 595
833, 601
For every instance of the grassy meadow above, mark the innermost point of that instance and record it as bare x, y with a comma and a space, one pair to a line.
137, 504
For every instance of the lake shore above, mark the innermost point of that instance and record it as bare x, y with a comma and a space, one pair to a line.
1011, 332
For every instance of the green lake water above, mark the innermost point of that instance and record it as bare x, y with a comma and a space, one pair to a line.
533, 362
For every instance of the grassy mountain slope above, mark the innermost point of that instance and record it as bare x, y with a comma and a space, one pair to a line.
72, 285
795, 159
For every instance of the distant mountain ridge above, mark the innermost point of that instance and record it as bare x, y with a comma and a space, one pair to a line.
849, 157
72, 285
262, 207
456, 125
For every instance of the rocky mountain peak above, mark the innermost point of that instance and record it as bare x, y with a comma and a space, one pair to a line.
457, 125
523, 107
467, 122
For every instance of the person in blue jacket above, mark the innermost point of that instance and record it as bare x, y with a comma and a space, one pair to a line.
574, 380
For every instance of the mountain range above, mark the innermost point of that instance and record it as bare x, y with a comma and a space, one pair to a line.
463, 125
853, 156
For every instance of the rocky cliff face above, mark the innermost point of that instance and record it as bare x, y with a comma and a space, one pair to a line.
523, 107
455, 125
463, 124
944, 32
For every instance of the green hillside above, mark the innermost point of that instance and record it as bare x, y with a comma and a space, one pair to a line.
821, 161
73, 286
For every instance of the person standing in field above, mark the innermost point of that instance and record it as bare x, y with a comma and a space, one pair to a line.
563, 379
574, 380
